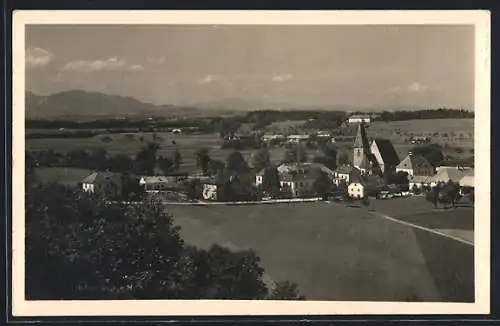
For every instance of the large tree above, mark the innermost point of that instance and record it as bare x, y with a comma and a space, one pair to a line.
327, 156
236, 163
79, 248
271, 181
323, 185
145, 160
177, 159
260, 159
202, 159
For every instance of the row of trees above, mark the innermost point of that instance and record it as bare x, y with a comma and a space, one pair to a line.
78, 248
143, 163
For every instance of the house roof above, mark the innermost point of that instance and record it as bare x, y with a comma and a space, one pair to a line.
412, 161
371, 180
301, 171
387, 151
344, 169
419, 178
359, 117
454, 174
159, 179
467, 181
361, 139
100, 177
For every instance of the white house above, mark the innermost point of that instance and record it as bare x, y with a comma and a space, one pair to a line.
210, 191
160, 183
345, 173
415, 165
298, 138
449, 173
359, 119
105, 183
298, 178
364, 186
356, 190
419, 181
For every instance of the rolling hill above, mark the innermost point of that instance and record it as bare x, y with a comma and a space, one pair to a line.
81, 104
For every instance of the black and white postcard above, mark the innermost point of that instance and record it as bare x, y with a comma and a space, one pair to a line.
174, 163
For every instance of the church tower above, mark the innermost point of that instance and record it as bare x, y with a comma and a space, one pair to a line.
361, 155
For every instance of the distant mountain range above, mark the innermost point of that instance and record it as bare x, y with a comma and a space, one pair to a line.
81, 104
89, 105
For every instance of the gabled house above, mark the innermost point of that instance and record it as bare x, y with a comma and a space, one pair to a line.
363, 186
385, 155
345, 173
448, 173
105, 183
415, 165
161, 183
298, 178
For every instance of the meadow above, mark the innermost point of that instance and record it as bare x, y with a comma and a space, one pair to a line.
335, 252
396, 131
188, 145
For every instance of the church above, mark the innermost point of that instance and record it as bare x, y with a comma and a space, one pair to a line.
377, 158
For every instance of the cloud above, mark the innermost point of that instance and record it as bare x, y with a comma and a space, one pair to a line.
156, 61
209, 79
111, 64
281, 78
414, 87
38, 57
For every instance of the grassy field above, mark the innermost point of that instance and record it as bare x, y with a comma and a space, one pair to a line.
334, 252
130, 144
123, 144
459, 132
65, 176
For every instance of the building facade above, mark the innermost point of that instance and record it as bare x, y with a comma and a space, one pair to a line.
104, 183
415, 165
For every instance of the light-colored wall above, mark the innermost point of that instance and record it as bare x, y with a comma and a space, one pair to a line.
209, 192
356, 190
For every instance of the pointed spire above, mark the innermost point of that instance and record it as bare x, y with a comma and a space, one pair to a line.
361, 140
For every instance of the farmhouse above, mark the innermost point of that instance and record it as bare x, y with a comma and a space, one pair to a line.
105, 183
298, 178
415, 165
298, 138
345, 172
455, 174
385, 154
364, 186
419, 181
467, 183
161, 183
359, 119
273, 137
210, 190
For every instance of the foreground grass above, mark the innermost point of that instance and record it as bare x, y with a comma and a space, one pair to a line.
337, 253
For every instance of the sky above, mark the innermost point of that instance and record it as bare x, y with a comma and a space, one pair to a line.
361, 65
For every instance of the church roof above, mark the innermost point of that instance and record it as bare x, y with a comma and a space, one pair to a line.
387, 151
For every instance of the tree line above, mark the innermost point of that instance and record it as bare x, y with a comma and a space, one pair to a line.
80, 248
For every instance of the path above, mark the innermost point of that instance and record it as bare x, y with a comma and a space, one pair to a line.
416, 226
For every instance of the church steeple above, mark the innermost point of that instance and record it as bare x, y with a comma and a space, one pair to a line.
361, 140
361, 149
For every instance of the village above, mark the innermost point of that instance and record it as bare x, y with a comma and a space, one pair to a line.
375, 171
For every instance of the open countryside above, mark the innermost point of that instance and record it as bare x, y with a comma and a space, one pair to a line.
334, 252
